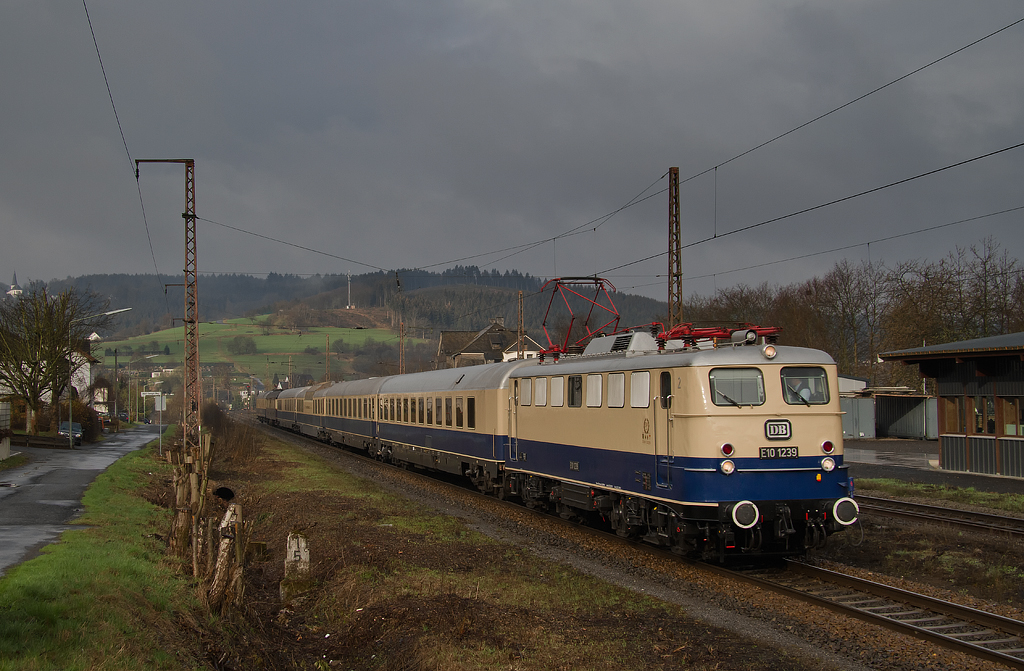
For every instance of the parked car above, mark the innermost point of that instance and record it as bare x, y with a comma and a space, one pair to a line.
76, 431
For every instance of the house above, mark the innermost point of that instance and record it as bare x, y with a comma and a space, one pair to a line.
980, 389
456, 349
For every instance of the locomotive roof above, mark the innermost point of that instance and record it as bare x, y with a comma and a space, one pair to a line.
743, 355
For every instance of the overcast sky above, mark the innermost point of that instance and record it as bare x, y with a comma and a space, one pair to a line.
414, 134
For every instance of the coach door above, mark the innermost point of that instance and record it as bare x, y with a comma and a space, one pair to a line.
662, 431
513, 422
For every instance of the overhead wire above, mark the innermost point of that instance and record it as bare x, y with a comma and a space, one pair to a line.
822, 205
124, 141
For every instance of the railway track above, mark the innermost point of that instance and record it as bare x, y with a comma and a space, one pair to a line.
963, 519
977, 633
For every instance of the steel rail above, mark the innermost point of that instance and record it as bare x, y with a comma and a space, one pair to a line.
950, 516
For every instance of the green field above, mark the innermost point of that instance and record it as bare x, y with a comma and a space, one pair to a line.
273, 350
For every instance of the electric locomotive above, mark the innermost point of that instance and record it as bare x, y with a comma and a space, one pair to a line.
711, 447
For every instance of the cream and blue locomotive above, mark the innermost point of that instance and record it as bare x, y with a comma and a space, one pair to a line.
709, 447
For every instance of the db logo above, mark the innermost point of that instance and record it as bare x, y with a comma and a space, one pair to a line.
778, 429
646, 436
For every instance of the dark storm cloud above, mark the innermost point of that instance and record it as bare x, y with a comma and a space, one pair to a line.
410, 134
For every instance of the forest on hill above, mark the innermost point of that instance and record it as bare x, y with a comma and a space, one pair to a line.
854, 312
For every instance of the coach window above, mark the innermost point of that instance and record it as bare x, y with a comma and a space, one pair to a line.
557, 389
430, 411
412, 411
458, 412
405, 410
594, 391
575, 391
525, 391
640, 389
805, 385
471, 412
421, 415
542, 392
447, 410
437, 404
737, 386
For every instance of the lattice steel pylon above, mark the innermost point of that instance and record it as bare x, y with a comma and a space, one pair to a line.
675, 250
193, 375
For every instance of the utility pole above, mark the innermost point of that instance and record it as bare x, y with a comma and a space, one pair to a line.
193, 375
519, 334
675, 252
349, 290
401, 349
327, 378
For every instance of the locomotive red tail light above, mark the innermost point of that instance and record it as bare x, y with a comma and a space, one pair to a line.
728, 449
827, 447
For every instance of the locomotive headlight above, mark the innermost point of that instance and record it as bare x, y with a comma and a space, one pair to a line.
828, 464
769, 351
728, 467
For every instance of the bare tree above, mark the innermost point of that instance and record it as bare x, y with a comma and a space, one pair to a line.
39, 334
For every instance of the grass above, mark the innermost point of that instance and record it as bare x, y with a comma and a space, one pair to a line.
400, 587
1013, 503
274, 348
99, 598
13, 462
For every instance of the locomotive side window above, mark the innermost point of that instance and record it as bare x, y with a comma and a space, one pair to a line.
665, 393
805, 385
616, 390
640, 389
458, 412
448, 411
575, 391
430, 411
594, 391
542, 392
557, 389
525, 392
737, 386
471, 412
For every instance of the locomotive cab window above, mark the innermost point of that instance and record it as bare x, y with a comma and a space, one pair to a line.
805, 385
737, 386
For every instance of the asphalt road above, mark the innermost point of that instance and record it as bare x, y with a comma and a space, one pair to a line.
40, 500
917, 461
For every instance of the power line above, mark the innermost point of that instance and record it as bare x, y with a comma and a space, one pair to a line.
822, 205
291, 244
120, 130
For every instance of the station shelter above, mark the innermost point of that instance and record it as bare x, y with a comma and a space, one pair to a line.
980, 389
